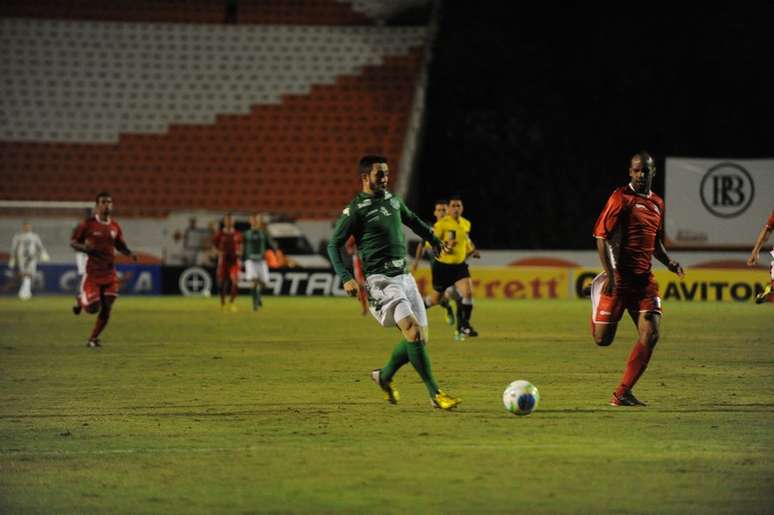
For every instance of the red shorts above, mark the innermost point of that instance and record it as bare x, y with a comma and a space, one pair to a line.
91, 290
230, 268
636, 295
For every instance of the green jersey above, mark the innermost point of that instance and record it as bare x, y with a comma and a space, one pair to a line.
256, 242
377, 224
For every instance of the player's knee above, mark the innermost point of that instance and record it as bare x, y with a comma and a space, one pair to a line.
413, 332
603, 339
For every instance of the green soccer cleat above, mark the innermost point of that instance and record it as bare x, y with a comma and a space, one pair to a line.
444, 401
391, 394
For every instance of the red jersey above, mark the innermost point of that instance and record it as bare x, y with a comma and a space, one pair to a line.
103, 237
228, 244
633, 222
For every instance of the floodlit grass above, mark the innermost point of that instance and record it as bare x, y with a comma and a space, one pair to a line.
188, 410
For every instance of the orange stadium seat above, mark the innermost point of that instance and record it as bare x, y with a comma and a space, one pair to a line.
158, 113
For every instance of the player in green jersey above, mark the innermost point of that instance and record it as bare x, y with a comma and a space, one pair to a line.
256, 242
376, 218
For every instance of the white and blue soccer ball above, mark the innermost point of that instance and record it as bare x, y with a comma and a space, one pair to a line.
521, 397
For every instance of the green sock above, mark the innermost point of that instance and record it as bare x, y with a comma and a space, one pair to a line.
257, 295
254, 293
417, 354
398, 358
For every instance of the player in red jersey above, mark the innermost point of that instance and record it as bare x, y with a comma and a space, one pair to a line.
629, 231
763, 237
99, 236
228, 244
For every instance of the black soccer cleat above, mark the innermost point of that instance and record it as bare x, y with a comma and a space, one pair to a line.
469, 331
77, 307
625, 399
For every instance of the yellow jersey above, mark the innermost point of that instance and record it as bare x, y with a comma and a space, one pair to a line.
457, 232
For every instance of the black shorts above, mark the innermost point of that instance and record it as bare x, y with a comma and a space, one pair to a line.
445, 275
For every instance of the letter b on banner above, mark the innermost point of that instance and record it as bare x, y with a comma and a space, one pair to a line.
727, 190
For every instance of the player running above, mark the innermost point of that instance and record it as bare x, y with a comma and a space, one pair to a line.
439, 212
228, 244
375, 217
26, 250
763, 237
256, 242
99, 237
629, 232
450, 268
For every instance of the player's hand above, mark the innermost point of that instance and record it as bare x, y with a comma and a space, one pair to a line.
448, 246
753, 259
352, 288
676, 268
12, 263
475, 254
88, 247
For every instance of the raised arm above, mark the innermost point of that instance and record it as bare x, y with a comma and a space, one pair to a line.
413, 222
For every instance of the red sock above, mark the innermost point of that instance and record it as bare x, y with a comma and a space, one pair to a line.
99, 325
635, 366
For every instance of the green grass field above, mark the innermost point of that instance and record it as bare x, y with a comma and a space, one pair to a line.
187, 410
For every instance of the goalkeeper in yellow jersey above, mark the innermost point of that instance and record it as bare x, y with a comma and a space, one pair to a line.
450, 267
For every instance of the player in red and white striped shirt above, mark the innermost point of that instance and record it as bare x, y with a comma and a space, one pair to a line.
99, 236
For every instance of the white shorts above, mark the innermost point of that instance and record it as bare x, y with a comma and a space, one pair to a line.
771, 268
27, 266
391, 299
80, 262
257, 269
596, 292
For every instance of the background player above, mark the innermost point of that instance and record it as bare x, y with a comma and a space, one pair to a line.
256, 242
99, 236
633, 220
228, 245
439, 212
763, 237
450, 268
26, 251
375, 218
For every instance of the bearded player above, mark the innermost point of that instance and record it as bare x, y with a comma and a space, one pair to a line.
629, 232
375, 217
99, 237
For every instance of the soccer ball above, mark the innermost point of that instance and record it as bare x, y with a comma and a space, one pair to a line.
521, 397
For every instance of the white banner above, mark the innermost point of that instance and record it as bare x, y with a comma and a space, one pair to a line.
717, 202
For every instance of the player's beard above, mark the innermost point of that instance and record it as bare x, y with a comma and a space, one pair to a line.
378, 188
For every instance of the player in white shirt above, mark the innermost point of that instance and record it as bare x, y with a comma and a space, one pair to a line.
26, 251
